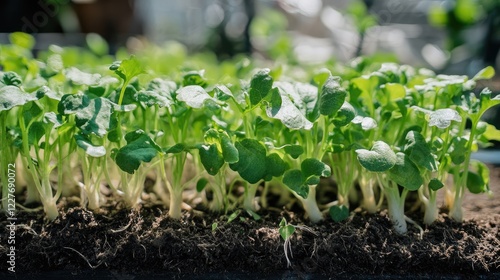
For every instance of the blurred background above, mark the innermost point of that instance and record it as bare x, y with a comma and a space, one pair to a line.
447, 36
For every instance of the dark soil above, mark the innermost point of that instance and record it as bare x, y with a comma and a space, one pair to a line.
146, 241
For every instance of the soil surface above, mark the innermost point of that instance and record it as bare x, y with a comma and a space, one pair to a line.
201, 246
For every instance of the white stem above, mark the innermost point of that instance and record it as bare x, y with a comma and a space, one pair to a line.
431, 210
175, 204
310, 205
396, 209
249, 199
369, 202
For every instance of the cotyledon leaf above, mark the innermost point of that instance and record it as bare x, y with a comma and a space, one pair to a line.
405, 173
442, 118
12, 96
79, 77
140, 148
289, 114
419, 151
332, 97
252, 160
211, 159
94, 151
193, 95
260, 85
379, 159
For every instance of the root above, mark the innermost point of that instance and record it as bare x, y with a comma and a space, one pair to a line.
81, 255
421, 236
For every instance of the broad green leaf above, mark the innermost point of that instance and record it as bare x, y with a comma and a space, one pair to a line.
315, 167
294, 179
459, 149
379, 159
78, 77
97, 44
294, 150
475, 183
211, 159
289, 115
287, 231
275, 102
23, 40
405, 173
332, 97
223, 93
11, 79
194, 78
339, 213
252, 160
308, 96
194, 96
94, 151
91, 115
31, 112
366, 123
435, 184
36, 132
260, 85
229, 151
140, 148
201, 184
345, 115
151, 98
52, 118
128, 68
442, 118
486, 101
491, 133
175, 149
485, 74
12, 96
419, 151
46, 91
275, 166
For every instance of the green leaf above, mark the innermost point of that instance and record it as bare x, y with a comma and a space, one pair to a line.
175, 149
52, 118
194, 78
442, 118
229, 151
23, 40
252, 160
345, 115
392, 92
332, 97
140, 148
194, 96
128, 68
459, 145
339, 213
315, 167
275, 166
36, 132
287, 231
201, 184
435, 184
294, 179
94, 151
260, 85
11, 79
294, 151
419, 151
379, 159
93, 116
367, 123
233, 216
475, 183
289, 114
492, 133
78, 77
97, 44
223, 93
12, 96
211, 159
151, 98
214, 226
405, 173
485, 74
486, 101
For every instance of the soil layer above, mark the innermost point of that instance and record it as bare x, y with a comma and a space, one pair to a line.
146, 241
